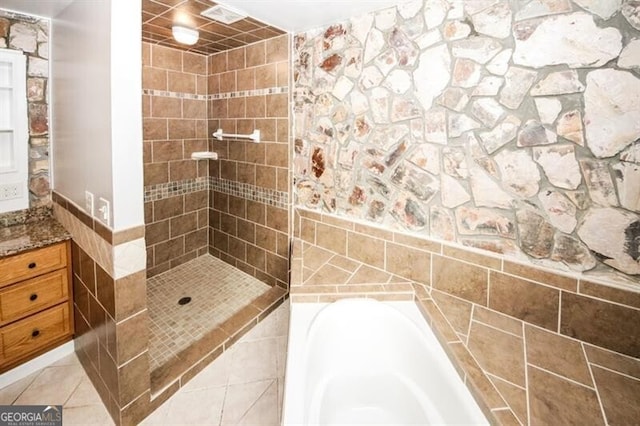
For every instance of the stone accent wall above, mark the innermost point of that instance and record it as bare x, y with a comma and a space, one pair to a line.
533, 346
31, 36
175, 125
505, 126
249, 210
110, 310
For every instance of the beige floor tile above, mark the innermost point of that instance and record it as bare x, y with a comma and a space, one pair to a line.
264, 412
199, 407
280, 398
94, 415
281, 346
68, 360
10, 393
53, 386
214, 375
240, 398
254, 360
85, 394
158, 417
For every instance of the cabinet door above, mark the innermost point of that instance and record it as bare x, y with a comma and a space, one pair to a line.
14, 142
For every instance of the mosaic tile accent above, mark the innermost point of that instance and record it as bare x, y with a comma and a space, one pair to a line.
217, 291
250, 192
244, 93
171, 189
180, 95
227, 95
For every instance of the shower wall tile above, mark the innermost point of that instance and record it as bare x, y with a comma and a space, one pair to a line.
175, 125
249, 214
518, 335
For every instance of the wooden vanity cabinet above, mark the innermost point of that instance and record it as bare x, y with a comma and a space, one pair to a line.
36, 303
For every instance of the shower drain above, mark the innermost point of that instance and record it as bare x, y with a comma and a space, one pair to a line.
184, 300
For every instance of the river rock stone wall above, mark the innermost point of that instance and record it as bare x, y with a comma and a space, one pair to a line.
508, 126
30, 35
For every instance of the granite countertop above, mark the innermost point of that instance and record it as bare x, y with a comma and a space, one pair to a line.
22, 237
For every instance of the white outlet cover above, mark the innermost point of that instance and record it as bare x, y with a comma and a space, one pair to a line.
104, 211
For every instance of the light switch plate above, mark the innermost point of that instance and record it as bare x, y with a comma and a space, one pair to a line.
104, 211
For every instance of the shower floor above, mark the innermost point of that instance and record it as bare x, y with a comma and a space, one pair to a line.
217, 291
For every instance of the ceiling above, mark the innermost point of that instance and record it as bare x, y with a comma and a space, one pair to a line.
265, 18
158, 16
45, 8
301, 15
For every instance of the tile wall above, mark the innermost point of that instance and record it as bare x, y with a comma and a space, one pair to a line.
534, 346
110, 310
249, 205
175, 125
30, 35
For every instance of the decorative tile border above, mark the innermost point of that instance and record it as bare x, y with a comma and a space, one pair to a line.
167, 94
227, 95
256, 92
250, 192
171, 189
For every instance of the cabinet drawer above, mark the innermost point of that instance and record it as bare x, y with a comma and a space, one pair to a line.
33, 295
35, 332
33, 263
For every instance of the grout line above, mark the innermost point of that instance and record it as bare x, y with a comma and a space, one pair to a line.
488, 287
497, 329
593, 381
559, 312
560, 376
35, 376
526, 373
614, 371
73, 391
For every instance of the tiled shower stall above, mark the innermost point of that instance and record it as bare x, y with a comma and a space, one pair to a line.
201, 215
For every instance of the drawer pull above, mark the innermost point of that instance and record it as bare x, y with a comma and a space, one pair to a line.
32, 265
35, 333
33, 297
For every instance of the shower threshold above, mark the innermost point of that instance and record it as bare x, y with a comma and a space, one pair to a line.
196, 310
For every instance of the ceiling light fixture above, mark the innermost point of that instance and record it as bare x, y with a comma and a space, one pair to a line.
185, 35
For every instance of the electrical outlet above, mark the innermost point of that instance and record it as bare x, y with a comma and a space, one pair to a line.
88, 203
10, 191
104, 210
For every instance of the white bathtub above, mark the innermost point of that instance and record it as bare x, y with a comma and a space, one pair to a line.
359, 361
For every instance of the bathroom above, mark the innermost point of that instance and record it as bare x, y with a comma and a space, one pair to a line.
471, 138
